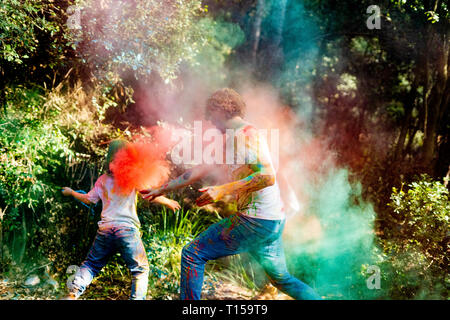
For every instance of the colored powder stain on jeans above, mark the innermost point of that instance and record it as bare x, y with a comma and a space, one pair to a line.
191, 272
261, 238
229, 225
128, 243
196, 246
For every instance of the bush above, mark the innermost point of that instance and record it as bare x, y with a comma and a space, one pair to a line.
32, 152
142, 37
418, 249
48, 139
23, 20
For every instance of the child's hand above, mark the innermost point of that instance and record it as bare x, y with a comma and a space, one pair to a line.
172, 204
67, 191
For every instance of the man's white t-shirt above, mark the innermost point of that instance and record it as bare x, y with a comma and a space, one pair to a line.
265, 203
118, 209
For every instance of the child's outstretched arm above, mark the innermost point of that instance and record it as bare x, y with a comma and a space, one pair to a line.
79, 196
169, 203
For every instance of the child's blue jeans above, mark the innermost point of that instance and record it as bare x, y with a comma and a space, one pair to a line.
236, 234
125, 240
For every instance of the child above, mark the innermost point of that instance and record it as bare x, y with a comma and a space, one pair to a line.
118, 232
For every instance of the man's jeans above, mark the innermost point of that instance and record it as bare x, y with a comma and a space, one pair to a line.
125, 240
235, 234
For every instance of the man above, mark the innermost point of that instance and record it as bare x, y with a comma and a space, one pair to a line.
257, 225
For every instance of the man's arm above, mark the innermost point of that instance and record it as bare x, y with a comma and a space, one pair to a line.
262, 177
187, 178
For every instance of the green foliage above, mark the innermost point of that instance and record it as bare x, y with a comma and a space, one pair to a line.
80, 115
422, 9
20, 22
165, 235
418, 248
424, 211
47, 141
31, 150
240, 270
143, 37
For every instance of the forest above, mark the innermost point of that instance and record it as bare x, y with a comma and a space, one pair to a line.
359, 90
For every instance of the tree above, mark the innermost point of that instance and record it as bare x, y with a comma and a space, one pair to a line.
138, 38
33, 42
20, 23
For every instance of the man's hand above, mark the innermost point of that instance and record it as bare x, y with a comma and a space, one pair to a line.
67, 191
210, 195
151, 194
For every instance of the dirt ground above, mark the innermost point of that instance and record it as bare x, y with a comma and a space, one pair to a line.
221, 291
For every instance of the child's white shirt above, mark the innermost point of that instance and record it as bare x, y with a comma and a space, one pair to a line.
118, 209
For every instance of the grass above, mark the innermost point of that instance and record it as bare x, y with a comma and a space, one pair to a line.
235, 270
165, 233
164, 238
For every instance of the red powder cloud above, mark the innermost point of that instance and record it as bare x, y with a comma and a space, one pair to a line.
141, 165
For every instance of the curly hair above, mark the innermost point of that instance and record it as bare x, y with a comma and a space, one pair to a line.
227, 100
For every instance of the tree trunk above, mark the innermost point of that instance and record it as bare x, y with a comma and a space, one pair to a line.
279, 27
402, 137
260, 8
436, 104
273, 54
411, 134
409, 106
